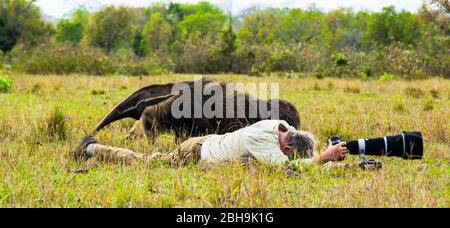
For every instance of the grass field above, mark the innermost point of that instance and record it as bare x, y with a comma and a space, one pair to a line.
35, 170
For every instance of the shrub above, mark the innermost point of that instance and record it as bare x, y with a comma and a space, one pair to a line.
387, 77
255, 71
362, 75
340, 59
283, 60
320, 74
316, 87
5, 84
414, 92
38, 88
428, 104
352, 90
330, 85
400, 60
435, 93
195, 53
98, 92
74, 59
398, 104
2, 59
56, 124
63, 59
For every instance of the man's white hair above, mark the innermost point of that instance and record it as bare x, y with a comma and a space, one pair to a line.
301, 140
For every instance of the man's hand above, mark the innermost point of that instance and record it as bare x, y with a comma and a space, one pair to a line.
333, 153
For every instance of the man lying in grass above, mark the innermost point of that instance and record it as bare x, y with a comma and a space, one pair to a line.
268, 141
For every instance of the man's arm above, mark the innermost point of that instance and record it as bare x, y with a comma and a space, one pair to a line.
333, 153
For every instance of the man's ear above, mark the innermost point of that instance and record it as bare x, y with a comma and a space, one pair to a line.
287, 150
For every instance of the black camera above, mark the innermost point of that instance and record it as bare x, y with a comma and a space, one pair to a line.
335, 140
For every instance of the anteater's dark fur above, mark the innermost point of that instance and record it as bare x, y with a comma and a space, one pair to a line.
154, 115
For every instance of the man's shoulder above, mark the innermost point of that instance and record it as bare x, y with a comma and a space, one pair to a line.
269, 123
272, 125
256, 134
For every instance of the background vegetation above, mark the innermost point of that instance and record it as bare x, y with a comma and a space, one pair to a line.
202, 38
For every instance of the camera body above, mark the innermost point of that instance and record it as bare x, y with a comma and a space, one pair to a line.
335, 140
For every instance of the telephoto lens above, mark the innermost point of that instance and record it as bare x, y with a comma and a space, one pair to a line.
407, 145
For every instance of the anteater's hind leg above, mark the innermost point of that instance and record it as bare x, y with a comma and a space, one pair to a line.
143, 128
137, 131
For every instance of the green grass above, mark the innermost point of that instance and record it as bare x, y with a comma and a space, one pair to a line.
35, 170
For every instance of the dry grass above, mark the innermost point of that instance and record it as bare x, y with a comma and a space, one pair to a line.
36, 172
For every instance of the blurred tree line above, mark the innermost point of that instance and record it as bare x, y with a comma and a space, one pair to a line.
202, 38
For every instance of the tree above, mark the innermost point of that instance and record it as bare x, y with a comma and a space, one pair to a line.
20, 21
346, 28
202, 18
175, 12
203, 23
72, 29
228, 39
390, 26
443, 5
157, 34
138, 44
223, 55
301, 26
258, 28
195, 55
110, 29
436, 13
199, 8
